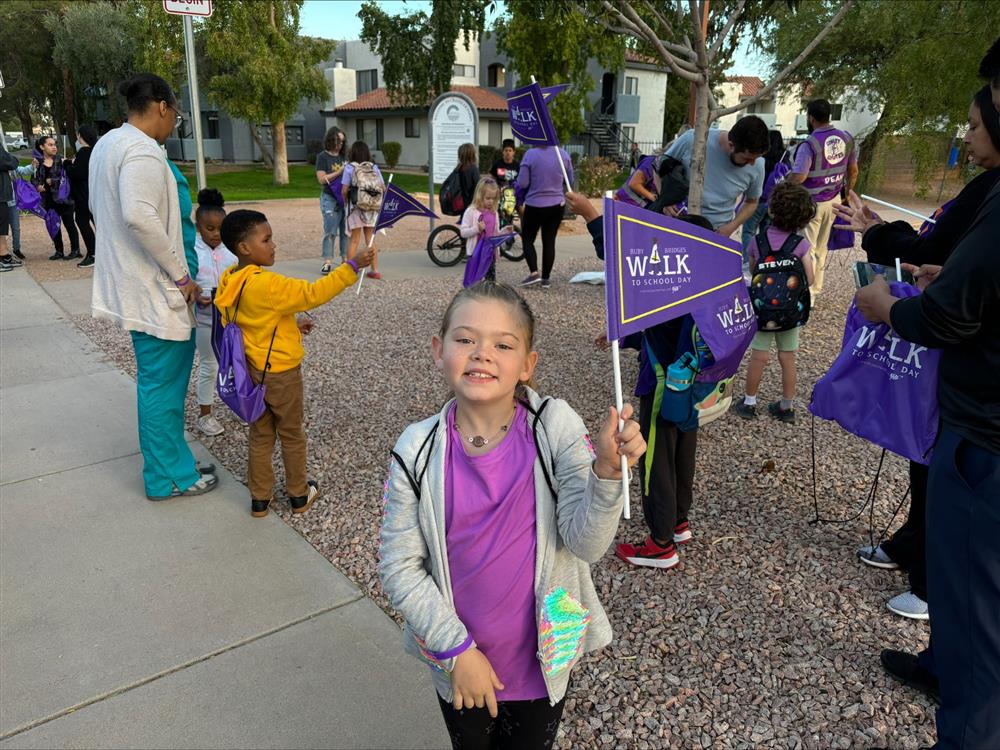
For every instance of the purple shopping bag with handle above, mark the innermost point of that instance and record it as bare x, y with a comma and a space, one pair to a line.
881, 387
234, 384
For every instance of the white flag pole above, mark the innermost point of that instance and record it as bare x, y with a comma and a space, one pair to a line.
899, 270
372, 240
562, 166
898, 208
616, 364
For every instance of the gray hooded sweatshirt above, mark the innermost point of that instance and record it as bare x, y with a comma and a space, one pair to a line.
574, 528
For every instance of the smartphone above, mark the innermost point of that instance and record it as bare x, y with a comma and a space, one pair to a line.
865, 273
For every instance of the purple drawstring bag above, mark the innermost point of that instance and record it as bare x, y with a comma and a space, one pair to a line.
28, 198
52, 222
234, 384
881, 387
336, 188
62, 193
840, 238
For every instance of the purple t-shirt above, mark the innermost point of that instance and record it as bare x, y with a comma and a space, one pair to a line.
490, 534
540, 180
648, 168
777, 238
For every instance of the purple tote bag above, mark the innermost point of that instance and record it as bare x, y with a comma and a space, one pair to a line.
881, 387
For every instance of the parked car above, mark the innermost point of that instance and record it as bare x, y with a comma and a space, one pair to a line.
15, 142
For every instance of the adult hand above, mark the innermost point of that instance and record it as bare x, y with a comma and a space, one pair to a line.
204, 300
924, 274
858, 216
473, 682
671, 211
601, 342
875, 300
481, 226
727, 229
34, 164
581, 206
305, 325
611, 444
365, 257
191, 291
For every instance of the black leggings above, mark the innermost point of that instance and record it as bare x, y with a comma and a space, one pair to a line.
548, 220
520, 725
908, 546
65, 212
85, 221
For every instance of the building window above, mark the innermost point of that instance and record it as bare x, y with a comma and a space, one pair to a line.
367, 80
631, 85
371, 132
464, 71
836, 111
412, 127
211, 125
496, 75
360, 130
761, 107
295, 135
629, 132
496, 133
379, 134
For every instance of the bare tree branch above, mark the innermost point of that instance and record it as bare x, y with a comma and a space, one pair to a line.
625, 28
678, 49
654, 40
726, 30
773, 84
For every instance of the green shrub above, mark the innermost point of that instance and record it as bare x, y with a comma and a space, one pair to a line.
487, 155
391, 151
596, 175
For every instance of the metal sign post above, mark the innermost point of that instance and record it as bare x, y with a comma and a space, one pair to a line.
188, 8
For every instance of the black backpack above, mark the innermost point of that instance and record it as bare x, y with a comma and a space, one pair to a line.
779, 289
673, 184
451, 198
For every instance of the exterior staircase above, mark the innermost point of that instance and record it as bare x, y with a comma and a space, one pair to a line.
607, 135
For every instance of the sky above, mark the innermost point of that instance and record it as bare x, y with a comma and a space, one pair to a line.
338, 19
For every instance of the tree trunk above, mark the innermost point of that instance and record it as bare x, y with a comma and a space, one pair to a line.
280, 152
698, 149
265, 152
70, 112
867, 163
114, 108
24, 115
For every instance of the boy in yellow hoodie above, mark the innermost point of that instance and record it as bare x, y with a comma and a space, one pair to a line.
272, 337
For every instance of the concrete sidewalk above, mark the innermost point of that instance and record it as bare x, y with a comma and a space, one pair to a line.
177, 624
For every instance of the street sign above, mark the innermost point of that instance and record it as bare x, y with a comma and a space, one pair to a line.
188, 7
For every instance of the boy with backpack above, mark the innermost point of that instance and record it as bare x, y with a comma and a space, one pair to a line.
781, 271
363, 188
263, 306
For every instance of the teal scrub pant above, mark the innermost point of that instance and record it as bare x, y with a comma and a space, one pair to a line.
163, 369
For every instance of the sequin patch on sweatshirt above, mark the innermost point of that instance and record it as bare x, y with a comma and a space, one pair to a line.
428, 655
590, 446
564, 622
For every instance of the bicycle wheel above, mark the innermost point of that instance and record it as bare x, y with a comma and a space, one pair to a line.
513, 250
445, 245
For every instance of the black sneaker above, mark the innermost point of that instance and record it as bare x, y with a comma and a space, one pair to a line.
782, 415
546, 284
258, 508
745, 410
18, 254
10, 260
88, 261
57, 256
906, 668
302, 504
74, 255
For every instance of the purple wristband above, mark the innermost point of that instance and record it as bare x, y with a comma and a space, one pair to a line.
352, 264
183, 281
453, 652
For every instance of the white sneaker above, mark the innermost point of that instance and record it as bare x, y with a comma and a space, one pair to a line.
209, 425
876, 558
909, 605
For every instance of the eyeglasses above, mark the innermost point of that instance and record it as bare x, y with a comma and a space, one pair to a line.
180, 117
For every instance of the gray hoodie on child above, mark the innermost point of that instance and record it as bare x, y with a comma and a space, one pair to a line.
573, 530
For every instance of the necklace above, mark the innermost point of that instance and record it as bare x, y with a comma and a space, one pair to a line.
478, 441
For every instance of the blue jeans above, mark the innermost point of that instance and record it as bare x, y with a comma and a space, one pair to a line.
750, 228
15, 226
334, 222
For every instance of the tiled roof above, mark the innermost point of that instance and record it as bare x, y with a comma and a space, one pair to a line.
379, 100
751, 84
635, 57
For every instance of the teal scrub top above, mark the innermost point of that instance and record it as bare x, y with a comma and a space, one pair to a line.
187, 223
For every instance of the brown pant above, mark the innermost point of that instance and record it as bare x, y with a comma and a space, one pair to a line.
282, 418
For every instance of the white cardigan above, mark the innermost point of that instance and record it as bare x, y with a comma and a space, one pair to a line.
139, 245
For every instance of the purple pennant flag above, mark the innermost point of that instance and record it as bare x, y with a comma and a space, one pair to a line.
727, 326
482, 257
397, 203
549, 92
336, 188
658, 268
529, 116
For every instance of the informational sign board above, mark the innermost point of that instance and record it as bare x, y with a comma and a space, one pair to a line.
454, 120
188, 7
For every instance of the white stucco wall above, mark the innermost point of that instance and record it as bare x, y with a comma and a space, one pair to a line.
465, 56
652, 99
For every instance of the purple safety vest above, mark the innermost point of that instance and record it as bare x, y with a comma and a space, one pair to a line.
832, 150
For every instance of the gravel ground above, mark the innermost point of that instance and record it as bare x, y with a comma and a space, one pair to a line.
766, 635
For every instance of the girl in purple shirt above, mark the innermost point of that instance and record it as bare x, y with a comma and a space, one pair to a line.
489, 572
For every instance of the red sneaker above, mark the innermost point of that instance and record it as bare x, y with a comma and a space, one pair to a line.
682, 533
649, 555
374, 275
